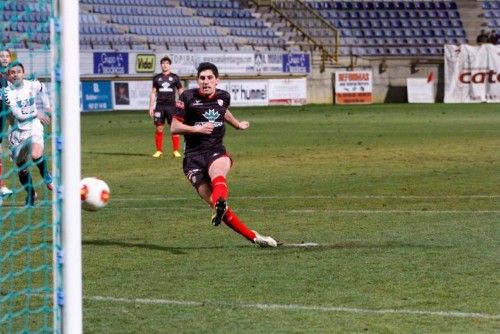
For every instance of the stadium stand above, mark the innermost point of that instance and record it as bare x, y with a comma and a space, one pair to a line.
492, 14
392, 28
364, 28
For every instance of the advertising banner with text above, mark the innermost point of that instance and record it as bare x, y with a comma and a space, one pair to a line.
472, 73
96, 95
353, 87
110, 63
244, 92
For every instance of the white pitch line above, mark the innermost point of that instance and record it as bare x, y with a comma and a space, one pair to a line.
296, 307
302, 211
160, 198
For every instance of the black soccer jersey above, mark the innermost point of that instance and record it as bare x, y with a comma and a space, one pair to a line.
166, 86
195, 109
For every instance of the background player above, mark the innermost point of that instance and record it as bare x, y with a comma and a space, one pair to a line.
5, 59
162, 105
201, 116
26, 137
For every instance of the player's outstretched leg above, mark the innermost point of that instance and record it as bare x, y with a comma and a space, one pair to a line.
234, 222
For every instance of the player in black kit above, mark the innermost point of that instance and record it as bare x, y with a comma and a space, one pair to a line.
162, 105
201, 116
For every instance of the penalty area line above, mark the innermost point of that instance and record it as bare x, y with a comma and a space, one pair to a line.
295, 307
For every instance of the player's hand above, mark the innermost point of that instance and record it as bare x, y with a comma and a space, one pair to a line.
151, 113
45, 119
243, 125
206, 128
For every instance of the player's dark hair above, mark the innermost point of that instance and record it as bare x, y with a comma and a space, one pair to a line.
208, 66
166, 58
14, 64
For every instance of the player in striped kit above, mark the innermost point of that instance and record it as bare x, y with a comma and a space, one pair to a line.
26, 133
5, 59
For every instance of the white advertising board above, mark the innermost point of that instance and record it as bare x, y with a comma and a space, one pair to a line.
244, 92
472, 73
420, 90
288, 91
131, 95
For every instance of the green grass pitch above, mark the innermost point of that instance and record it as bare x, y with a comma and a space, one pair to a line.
402, 200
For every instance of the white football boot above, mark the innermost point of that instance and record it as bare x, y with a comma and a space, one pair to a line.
265, 241
4, 191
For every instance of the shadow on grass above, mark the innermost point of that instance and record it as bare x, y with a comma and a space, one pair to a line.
173, 250
286, 248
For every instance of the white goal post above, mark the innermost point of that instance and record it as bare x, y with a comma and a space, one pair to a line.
68, 315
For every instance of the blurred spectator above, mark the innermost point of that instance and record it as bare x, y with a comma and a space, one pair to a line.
493, 39
482, 37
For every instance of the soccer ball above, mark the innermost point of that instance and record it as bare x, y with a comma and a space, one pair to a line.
94, 193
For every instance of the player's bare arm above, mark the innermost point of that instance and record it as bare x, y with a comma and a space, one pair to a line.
152, 102
243, 125
179, 128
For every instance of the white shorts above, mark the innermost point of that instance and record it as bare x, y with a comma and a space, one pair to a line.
19, 139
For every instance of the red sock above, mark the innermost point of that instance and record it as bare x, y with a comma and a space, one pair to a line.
175, 142
232, 220
219, 188
159, 141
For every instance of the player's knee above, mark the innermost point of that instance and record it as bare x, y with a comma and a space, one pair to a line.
23, 172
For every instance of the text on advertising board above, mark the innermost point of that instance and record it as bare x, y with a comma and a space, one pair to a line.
145, 63
110, 63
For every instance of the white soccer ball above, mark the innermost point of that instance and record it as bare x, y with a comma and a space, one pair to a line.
94, 193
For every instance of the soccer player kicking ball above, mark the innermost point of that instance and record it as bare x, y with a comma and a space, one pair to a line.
201, 116
26, 138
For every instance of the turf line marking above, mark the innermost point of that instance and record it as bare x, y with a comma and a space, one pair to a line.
301, 211
155, 197
295, 307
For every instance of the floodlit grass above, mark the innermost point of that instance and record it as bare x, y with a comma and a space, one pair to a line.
403, 201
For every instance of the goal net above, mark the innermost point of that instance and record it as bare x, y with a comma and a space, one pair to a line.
34, 256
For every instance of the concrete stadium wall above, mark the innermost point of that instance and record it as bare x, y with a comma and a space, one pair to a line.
389, 80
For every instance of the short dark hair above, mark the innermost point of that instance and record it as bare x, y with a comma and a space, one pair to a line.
166, 58
14, 64
208, 66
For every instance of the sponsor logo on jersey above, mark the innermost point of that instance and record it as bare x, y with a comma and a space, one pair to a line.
165, 87
211, 115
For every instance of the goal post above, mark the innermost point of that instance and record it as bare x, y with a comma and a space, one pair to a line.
40, 219
67, 144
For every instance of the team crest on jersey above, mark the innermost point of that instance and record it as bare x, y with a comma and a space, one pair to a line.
170, 78
220, 102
